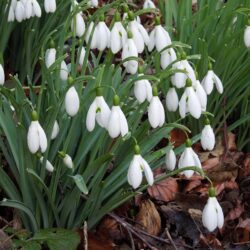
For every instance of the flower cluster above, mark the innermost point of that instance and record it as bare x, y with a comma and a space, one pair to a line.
25, 9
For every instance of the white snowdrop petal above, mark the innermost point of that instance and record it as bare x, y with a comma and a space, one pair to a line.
148, 4
153, 112
114, 128
148, 172
144, 33
172, 100
135, 173
50, 57
218, 84
36, 8
207, 138
183, 105
148, 90
28, 9
72, 102
247, 36
202, 95
140, 91
170, 160
55, 130
33, 137
137, 37
19, 11
162, 38
151, 43
42, 138
2, 75
115, 40
220, 215
187, 160
79, 24
64, 71
209, 215
167, 57
207, 82
123, 123
193, 103
102, 117
67, 160
90, 120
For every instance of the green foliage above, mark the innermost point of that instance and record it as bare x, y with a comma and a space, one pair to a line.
216, 29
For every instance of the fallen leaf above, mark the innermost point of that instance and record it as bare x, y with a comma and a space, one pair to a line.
5, 241
164, 190
191, 185
225, 185
210, 163
231, 144
95, 242
148, 218
245, 170
242, 231
235, 213
177, 137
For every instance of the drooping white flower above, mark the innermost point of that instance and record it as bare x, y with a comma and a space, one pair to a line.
78, 25
189, 159
102, 35
50, 57
118, 35
212, 215
189, 102
170, 159
93, 3
142, 90
172, 100
28, 7
72, 102
247, 36
209, 80
36, 136
55, 130
48, 165
140, 35
156, 113
117, 122
179, 78
82, 55
159, 37
207, 137
201, 94
64, 71
36, 9
130, 50
11, 14
19, 11
50, 6
91, 31
167, 57
67, 160
148, 4
136, 167
2, 75
98, 111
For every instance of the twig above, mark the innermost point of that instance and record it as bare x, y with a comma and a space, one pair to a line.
131, 239
127, 226
85, 235
170, 238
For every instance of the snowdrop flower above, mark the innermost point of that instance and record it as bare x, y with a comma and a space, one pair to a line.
117, 123
207, 137
11, 14
189, 159
2, 75
156, 113
102, 35
98, 111
50, 57
159, 37
209, 80
167, 57
93, 3
130, 50
142, 89
78, 24
148, 4
28, 9
72, 102
64, 71
247, 36
55, 130
48, 165
118, 35
189, 102
50, 6
82, 55
36, 9
36, 136
212, 215
170, 159
91, 30
201, 94
172, 100
19, 11
137, 165
140, 35
67, 160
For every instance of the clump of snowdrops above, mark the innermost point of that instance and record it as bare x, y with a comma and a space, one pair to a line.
80, 144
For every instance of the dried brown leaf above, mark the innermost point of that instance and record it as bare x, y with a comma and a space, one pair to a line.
148, 218
164, 190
